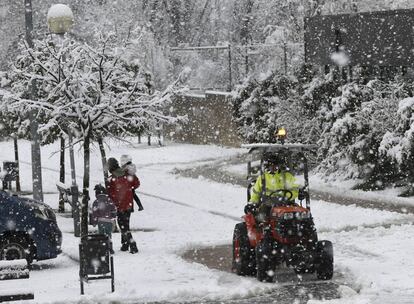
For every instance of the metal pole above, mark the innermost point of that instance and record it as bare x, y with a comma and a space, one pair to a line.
285, 56
247, 60
36, 158
74, 190
230, 75
306, 176
61, 207
198, 48
16, 158
86, 181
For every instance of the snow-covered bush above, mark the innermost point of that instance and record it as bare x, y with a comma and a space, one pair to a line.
295, 102
351, 145
363, 131
354, 128
397, 145
263, 106
340, 129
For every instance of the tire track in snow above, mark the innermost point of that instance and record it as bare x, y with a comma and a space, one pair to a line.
213, 212
386, 224
227, 216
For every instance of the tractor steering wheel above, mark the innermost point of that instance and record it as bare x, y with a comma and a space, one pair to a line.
283, 191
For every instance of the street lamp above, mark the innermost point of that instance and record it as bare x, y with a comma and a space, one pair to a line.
60, 20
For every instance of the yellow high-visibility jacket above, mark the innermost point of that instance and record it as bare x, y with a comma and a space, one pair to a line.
276, 181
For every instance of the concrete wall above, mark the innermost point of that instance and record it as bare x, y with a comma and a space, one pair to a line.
209, 120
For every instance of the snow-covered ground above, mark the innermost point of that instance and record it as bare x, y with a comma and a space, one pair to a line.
373, 249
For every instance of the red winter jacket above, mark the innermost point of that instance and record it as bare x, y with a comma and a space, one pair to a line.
120, 188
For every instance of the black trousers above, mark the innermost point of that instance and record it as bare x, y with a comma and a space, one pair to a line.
123, 220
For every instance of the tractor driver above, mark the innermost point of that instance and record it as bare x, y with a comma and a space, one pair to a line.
276, 177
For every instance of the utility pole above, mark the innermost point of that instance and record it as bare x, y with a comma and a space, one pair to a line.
36, 158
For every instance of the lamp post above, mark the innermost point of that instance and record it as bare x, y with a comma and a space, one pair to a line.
35, 147
60, 20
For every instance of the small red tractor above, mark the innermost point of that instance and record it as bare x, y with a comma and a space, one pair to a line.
286, 233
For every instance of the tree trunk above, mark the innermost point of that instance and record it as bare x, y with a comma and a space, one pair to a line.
201, 26
103, 157
139, 137
62, 173
16, 159
245, 32
36, 158
175, 13
86, 178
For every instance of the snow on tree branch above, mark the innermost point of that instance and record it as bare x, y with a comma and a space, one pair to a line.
82, 88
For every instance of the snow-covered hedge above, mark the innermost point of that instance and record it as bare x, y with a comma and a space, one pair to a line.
263, 106
364, 130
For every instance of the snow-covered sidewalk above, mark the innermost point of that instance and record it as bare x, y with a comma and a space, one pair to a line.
372, 248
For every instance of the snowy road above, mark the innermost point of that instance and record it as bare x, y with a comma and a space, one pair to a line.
291, 288
373, 248
400, 229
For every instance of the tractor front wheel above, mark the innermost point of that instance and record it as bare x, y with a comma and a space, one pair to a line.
265, 262
324, 269
244, 260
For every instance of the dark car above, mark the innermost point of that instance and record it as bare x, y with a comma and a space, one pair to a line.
28, 229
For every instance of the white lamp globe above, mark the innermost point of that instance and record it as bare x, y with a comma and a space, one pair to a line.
60, 18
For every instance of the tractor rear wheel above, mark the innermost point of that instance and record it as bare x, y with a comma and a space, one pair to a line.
244, 260
324, 269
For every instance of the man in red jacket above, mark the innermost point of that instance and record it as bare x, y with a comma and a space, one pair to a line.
120, 186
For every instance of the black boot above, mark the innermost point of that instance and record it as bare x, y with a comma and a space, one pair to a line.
132, 244
133, 247
124, 242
